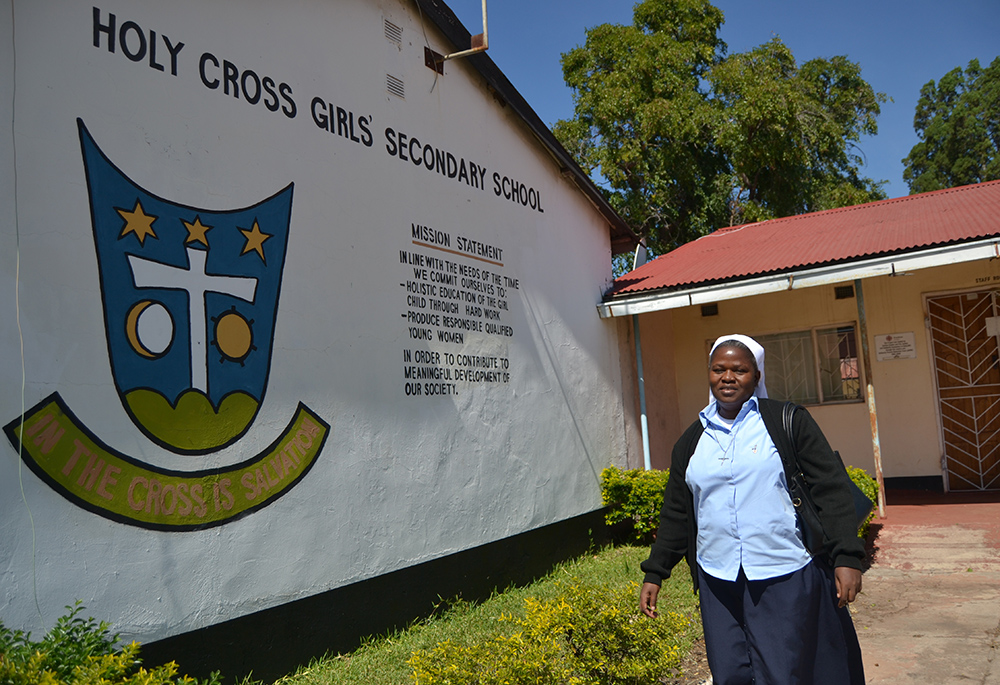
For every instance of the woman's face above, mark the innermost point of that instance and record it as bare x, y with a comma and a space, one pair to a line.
732, 378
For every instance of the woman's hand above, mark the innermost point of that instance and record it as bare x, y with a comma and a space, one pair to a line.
848, 584
647, 599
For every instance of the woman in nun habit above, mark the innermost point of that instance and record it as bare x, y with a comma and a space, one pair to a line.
772, 613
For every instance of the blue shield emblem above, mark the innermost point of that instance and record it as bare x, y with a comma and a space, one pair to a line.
190, 300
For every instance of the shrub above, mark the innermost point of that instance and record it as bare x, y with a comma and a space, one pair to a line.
635, 496
869, 486
585, 637
79, 651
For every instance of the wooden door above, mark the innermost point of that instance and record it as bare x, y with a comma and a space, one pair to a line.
967, 365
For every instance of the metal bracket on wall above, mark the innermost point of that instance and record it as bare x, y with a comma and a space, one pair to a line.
433, 60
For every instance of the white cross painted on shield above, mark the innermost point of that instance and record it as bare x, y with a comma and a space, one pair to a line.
195, 282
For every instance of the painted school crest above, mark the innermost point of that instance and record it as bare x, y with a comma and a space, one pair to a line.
190, 301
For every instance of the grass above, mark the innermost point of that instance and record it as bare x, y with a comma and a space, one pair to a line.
382, 661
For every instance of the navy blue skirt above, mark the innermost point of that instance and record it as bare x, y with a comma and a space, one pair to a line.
780, 631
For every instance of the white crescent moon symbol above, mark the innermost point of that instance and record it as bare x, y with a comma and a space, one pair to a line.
149, 328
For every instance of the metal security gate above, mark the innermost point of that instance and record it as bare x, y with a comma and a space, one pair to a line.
964, 330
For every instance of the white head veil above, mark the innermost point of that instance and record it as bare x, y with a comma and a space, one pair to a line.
758, 355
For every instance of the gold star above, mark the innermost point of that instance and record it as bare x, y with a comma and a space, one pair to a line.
255, 241
197, 231
137, 222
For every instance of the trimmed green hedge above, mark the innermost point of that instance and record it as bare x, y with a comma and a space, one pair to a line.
869, 486
634, 496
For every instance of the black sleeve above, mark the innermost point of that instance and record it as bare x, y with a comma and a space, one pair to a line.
672, 536
830, 487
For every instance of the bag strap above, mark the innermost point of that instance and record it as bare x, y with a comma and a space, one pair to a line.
791, 467
787, 412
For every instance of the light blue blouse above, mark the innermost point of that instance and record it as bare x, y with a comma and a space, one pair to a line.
744, 512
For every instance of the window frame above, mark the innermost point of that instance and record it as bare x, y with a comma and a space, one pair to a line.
817, 369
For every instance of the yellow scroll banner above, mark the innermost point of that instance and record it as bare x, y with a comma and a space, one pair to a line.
65, 454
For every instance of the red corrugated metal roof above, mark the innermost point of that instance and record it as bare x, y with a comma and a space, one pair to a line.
886, 227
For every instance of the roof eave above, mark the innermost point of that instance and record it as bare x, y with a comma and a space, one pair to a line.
881, 265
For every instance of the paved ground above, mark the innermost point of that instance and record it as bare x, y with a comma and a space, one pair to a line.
930, 610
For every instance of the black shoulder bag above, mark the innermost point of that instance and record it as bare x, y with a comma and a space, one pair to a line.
813, 534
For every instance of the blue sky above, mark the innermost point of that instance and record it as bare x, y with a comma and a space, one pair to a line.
900, 45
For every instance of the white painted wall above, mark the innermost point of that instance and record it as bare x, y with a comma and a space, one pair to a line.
400, 479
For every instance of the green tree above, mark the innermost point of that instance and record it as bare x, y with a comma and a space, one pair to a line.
641, 109
790, 133
958, 123
685, 139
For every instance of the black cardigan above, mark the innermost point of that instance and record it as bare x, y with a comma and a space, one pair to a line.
677, 536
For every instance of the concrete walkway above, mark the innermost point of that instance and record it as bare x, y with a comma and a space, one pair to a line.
930, 609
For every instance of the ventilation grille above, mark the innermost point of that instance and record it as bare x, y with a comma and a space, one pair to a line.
710, 309
843, 292
395, 86
393, 33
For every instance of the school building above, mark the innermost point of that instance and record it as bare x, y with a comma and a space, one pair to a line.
298, 318
915, 279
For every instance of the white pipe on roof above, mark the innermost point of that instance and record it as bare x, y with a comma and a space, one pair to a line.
480, 43
885, 265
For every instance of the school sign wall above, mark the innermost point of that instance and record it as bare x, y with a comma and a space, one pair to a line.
296, 312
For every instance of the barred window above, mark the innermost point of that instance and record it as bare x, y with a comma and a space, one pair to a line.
815, 366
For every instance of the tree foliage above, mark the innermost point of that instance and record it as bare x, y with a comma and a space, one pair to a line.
958, 123
686, 139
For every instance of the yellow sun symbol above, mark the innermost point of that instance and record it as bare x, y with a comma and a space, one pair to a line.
233, 336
